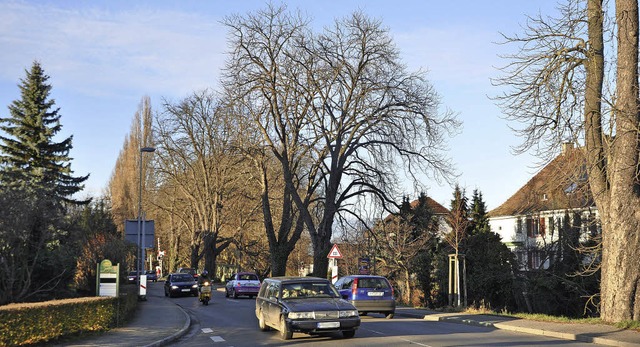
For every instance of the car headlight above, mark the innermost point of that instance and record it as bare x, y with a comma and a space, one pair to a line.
174, 287
194, 286
348, 313
301, 315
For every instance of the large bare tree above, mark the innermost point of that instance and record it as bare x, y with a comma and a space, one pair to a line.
260, 80
338, 110
557, 91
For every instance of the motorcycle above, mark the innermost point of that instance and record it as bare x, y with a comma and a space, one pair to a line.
205, 293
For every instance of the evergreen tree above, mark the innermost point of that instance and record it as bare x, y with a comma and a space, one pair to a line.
28, 154
490, 263
479, 218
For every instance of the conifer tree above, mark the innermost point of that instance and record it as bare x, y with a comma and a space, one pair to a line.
28, 154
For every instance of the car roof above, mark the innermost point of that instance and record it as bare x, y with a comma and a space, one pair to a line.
296, 279
365, 276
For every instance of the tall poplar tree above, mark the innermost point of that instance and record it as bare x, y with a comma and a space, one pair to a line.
29, 156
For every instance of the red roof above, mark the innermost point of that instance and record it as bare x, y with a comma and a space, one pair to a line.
560, 185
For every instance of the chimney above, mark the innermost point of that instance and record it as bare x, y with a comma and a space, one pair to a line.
566, 147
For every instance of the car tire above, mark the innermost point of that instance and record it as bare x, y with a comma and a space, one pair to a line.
165, 293
226, 293
285, 332
347, 334
388, 315
235, 295
262, 324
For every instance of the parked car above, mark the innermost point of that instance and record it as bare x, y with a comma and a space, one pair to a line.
151, 276
188, 270
368, 293
309, 305
132, 277
180, 284
242, 283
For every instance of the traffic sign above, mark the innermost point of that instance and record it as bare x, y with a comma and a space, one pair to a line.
334, 253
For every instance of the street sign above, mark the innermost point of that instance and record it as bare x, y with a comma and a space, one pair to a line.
334, 253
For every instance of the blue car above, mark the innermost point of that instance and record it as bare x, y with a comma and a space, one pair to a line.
151, 276
368, 293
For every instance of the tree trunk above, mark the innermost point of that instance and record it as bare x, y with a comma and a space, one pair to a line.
620, 283
279, 257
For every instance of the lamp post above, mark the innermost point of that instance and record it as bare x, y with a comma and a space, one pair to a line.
139, 263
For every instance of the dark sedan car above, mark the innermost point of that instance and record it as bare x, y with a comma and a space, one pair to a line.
132, 277
304, 304
180, 284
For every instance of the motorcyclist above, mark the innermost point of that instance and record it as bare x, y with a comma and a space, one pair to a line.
204, 277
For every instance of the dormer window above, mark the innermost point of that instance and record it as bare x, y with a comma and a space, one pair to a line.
544, 197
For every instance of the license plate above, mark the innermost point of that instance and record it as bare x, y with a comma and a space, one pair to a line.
327, 325
375, 293
186, 290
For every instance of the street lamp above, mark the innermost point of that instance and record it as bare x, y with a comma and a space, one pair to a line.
140, 237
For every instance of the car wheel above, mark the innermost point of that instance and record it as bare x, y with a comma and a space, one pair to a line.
285, 333
388, 315
261, 323
165, 292
226, 293
235, 295
347, 334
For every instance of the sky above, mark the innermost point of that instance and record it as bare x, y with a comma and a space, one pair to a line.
104, 56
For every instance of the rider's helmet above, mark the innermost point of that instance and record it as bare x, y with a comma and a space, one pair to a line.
205, 273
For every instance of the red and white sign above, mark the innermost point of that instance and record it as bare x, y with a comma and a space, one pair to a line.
335, 253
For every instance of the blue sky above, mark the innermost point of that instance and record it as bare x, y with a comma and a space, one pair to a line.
104, 56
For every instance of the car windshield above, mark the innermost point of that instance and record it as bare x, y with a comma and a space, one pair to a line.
182, 278
133, 273
308, 290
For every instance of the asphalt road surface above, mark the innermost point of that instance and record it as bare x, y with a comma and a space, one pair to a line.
228, 322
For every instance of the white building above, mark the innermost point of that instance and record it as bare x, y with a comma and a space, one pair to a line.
554, 205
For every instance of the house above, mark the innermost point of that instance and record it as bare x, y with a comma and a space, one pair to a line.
538, 215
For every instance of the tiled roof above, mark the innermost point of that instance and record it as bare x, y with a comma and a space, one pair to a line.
435, 207
562, 184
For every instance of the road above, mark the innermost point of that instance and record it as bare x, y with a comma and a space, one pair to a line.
228, 322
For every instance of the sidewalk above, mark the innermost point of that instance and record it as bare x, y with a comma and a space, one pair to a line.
591, 333
156, 323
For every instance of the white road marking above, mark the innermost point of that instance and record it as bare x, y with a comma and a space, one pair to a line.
403, 339
217, 339
207, 330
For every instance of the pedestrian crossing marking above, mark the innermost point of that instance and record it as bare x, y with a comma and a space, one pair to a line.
207, 330
217, 339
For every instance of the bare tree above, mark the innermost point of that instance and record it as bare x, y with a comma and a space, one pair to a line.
123, 184
460, 221
195, 158
339, 112
259, 79
556, 90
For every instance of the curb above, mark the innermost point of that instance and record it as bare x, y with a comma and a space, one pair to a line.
176, 335
532, 331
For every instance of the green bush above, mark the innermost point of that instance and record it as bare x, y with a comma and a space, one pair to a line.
25, 324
